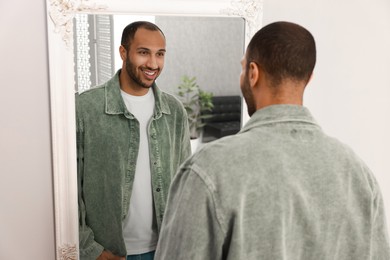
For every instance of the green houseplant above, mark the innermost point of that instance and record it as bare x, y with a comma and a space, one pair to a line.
196, 102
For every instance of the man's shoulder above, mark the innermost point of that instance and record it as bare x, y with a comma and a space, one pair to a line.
170, 99
217, 163
91, 93
90, 99
220, 151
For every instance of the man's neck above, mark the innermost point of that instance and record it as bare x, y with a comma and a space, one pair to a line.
289, 93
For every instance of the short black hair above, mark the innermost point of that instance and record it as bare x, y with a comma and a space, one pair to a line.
284, 50
130, 30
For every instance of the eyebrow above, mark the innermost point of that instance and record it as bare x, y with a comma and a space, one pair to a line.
147, 49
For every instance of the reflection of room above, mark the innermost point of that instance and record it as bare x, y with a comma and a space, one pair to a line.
208, 48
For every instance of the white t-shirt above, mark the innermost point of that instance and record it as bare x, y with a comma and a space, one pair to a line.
139, 228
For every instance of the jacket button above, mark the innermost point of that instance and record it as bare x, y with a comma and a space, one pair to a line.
158, 189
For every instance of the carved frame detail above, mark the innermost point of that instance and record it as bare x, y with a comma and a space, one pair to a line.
62, 12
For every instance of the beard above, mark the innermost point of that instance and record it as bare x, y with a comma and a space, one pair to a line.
132, 72
248, 96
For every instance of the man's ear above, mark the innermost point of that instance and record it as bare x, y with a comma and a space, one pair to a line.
310, 78
122, 52
254, 74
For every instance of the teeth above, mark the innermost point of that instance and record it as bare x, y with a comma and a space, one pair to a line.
150, 73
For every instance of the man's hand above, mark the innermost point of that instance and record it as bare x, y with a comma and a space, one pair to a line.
107, 255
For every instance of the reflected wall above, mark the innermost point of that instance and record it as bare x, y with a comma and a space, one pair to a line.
208, 48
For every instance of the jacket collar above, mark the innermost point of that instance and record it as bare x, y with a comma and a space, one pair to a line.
280, 113
115, 104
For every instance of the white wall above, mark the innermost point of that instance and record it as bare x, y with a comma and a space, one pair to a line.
350, 92
26, 190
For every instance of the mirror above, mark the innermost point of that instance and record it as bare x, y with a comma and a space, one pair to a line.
60, 14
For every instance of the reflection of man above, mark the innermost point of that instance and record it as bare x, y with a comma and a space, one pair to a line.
131, 138
280, 188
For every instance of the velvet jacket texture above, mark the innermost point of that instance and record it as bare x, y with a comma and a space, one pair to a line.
280, 189
107, 148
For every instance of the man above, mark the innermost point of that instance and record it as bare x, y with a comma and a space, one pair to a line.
131, 139
280, 188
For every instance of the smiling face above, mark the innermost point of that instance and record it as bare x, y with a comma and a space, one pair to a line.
143, 61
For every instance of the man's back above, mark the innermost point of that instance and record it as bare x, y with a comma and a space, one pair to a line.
280, 189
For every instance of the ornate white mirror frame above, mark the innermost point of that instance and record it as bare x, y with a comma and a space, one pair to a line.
60, 14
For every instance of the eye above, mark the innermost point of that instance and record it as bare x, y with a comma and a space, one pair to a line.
160, 54
143, 53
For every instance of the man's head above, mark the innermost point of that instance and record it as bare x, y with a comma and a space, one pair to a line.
142, 51
279, 53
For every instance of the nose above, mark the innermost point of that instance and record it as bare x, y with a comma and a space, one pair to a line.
152, 62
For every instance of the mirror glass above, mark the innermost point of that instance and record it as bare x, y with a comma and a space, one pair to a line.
207, 32
208, 48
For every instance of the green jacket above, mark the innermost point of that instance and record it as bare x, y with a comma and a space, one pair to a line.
107, 148
280, 189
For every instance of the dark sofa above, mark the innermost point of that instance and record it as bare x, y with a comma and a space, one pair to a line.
225, 117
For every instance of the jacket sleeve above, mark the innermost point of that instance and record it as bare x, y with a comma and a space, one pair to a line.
190, 229
380, 244
89, 248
